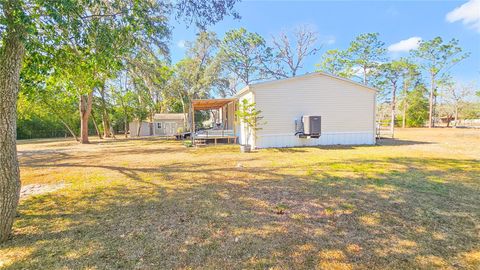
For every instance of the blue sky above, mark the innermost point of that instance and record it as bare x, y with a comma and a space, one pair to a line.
338, 22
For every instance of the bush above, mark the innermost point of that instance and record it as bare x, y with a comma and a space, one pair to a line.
188, 143
417, 111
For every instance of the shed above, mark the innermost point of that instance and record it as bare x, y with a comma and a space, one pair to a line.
346, 109
163, 124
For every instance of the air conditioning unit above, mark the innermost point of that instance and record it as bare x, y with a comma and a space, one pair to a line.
311, 126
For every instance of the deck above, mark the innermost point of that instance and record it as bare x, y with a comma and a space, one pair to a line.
215, 135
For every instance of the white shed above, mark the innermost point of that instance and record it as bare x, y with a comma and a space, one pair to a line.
346, 108
163, 124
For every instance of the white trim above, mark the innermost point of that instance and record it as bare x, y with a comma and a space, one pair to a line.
242, 91
323, 133
328, 138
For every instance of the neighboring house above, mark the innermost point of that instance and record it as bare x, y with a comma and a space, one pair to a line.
346, 109
164, 124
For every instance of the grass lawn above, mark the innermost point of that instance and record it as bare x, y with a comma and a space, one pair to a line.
412, 203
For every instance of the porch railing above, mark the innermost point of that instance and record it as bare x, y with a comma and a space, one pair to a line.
212, 133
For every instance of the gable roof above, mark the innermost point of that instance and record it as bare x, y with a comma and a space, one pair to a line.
307, 75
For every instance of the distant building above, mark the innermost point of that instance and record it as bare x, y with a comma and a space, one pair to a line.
164, 124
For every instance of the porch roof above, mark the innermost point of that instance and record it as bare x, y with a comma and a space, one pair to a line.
208, 104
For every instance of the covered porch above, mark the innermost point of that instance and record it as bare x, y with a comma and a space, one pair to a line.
222, 116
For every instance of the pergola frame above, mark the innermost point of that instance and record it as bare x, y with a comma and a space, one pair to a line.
210, 104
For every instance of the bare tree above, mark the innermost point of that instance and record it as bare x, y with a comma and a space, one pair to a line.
455, 95
290, 51
228, 85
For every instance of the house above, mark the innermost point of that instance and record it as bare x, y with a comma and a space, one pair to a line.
313, 109
164, 124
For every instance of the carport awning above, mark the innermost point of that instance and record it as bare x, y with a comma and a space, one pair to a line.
209, 104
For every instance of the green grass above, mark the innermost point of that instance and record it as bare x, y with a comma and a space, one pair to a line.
411, 203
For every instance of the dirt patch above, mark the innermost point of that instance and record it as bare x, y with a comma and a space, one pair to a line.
36, 189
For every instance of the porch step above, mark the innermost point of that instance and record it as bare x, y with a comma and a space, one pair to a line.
200, 142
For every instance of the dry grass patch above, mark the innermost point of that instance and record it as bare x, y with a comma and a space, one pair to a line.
150, 204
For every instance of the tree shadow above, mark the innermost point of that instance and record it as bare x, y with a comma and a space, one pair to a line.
399, 142
397, 213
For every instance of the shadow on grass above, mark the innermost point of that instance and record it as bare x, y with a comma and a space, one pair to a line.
400, 213
398, 142
380, 142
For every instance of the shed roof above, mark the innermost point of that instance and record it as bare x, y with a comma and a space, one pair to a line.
169, 116
208, 104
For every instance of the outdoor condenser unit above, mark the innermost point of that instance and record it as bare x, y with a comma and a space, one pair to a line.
312, 126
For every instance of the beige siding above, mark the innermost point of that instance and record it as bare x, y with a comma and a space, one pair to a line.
167, 127
144, 129
230, 115
241, 131
345, 108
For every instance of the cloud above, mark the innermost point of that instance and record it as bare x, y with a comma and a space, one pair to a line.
329, 40
468, 13
181, 44
405, 45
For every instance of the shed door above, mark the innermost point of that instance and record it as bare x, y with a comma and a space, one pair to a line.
170, 128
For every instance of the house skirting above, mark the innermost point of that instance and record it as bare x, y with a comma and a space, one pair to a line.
327, 138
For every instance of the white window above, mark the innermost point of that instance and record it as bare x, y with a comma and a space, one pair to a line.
159, 125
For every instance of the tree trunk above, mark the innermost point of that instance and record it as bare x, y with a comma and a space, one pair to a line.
112, 132
405, 105
449, 119
69, 130
139, 128
125, 122
394, 100
184, 110
105, 116
11, 57
85, 109
456, 115
365, 75
106, 125
94, 120
150, 125
430, 111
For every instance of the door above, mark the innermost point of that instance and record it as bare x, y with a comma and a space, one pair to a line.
170, 128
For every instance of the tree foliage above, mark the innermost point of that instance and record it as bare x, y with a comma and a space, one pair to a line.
417, 111
243, 53
366, 52
335, 62
251, 118
75, 46
436, 58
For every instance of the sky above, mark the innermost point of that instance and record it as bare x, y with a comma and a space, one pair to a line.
401, 24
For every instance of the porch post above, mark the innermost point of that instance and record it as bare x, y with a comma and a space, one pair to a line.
234, 122
193, 124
